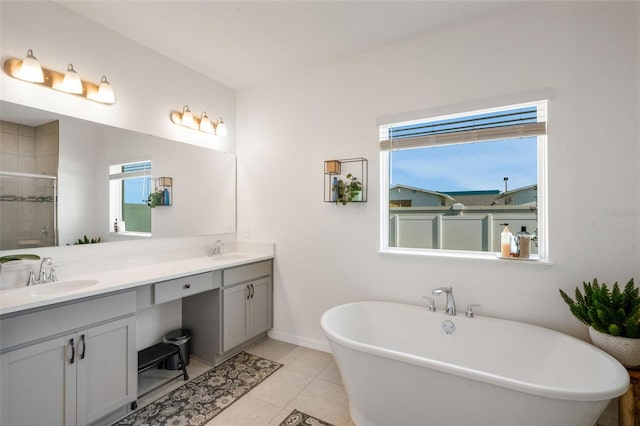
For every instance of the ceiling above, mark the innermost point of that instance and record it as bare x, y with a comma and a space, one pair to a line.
245, 43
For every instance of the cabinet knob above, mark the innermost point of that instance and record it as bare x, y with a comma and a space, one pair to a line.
186, 286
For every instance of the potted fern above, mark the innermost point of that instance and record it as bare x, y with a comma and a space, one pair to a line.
613, 317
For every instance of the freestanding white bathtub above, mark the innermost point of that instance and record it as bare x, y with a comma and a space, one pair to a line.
400, 368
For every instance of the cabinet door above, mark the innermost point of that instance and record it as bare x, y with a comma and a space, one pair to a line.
260, 310
107, 369
235, 303
39, 384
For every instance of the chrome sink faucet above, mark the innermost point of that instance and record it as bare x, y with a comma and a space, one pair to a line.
43, 276
451, 304
216, 248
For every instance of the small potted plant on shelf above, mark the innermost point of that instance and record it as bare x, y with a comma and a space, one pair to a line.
155, 198
349, 190
613, 317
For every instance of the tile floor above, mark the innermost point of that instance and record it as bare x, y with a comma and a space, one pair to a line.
308, 381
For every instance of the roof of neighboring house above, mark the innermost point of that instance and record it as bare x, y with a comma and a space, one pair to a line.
426, 191
484, 192
513, 191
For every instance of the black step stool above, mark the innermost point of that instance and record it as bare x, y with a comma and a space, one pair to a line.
154, 355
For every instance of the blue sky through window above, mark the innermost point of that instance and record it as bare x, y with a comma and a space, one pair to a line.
477, 166
136, 190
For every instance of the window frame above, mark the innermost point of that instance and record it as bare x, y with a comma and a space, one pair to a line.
542, 235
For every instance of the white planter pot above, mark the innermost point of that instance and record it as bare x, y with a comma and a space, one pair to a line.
625, 350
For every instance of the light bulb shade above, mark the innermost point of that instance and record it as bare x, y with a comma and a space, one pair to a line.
221, 129
187, 117
105, 92
206, 125
30, 70
72, 82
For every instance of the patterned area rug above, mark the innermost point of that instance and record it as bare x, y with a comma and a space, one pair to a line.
298, 418
203, 398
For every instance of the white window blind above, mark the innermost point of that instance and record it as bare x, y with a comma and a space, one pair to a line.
509, 122
131, 170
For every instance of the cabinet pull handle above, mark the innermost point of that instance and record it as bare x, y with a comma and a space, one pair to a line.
84, 346
73, 351
248, 291
186, 286
252, 290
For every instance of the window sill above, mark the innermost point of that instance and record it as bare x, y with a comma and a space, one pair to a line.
131, 234
534, 261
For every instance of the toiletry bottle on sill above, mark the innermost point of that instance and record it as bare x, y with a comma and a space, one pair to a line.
505, 241
523, 240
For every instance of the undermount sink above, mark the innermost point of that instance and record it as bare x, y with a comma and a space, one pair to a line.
46, 289
70, 285
230, 256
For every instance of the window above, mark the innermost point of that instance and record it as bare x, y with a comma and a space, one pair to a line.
129, 186
449, 182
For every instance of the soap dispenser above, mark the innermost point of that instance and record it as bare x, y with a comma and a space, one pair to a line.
505, 241
523, 241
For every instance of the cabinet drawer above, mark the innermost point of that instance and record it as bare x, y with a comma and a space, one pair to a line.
246, 272
183, 287
20, 329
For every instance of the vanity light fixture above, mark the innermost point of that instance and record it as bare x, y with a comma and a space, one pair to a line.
202, 123
206, 125
221, 129
105, 92
29, 69
71, 82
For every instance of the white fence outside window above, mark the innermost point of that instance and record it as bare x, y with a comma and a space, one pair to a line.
473, 228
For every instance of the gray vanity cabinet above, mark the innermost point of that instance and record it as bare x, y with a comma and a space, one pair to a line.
59, 370
224, 321
246, 303
39, 385
247, 312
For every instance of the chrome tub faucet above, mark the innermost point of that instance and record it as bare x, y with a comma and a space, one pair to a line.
451, 304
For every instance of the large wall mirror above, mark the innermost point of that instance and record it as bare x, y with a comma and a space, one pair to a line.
54, 184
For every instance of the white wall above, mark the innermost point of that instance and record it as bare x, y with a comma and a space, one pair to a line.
587, 53
148, 86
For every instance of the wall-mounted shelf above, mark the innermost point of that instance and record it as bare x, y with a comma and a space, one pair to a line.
339, 169
162, 184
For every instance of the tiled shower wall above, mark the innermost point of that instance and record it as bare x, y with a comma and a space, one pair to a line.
26, 204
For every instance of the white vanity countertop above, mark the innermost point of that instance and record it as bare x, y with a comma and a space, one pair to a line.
23, 298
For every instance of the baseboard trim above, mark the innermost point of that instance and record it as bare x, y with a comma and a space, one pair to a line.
319, 345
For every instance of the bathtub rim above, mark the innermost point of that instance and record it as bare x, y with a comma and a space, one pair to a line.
493, 379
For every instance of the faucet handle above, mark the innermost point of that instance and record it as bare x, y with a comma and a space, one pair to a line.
469, 313
52, 274
32, 277
432, 304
